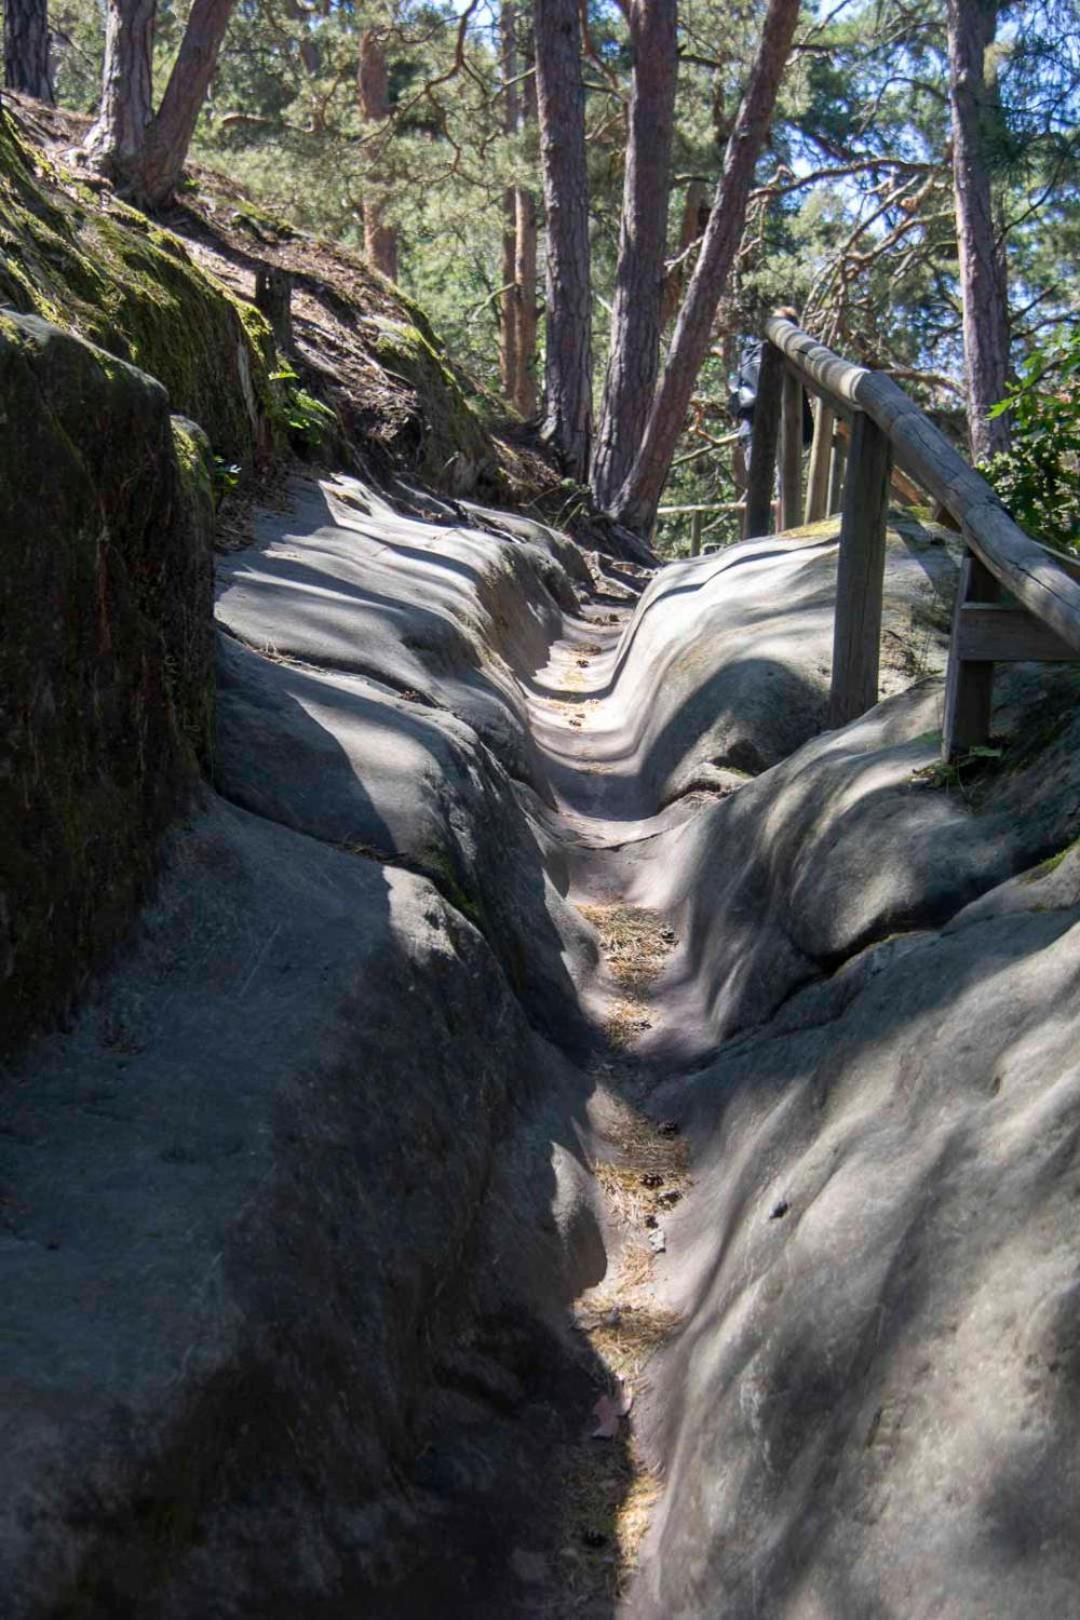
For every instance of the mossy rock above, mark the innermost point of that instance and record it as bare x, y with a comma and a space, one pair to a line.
263, 226
87, 262
453, 446
106, 695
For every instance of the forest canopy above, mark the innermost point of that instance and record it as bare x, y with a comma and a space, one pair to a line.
412, 130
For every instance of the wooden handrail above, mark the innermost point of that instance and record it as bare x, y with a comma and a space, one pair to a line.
884, 427
713, 506
1014, 559
828, 374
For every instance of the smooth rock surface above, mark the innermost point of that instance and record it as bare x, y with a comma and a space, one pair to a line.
242, 1221
855, 838
443, 614
871, 1407
293, 1214
726, 662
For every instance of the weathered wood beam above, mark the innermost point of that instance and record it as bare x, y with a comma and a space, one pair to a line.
817, 479
993, 632
703, 506
860, 575
907, 489
836, 472
1070, 564
1017, 561
827, 374
791, 451
969, 686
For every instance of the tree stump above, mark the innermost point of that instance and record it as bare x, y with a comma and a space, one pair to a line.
273, 298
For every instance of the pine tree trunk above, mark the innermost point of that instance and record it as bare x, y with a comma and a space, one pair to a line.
508, 320
639, 280
157, 172
525, 283
115, 141
568, 358
373, 93
145, 155
525, 396
636, 503
26, 48
972, 25
694, 220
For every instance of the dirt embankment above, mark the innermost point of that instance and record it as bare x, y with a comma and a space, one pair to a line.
366, 383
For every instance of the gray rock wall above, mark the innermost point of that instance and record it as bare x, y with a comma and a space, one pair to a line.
106, 686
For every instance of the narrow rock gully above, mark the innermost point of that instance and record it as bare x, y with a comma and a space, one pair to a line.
545, 1514
568, 1136
639, 1162
565, 1537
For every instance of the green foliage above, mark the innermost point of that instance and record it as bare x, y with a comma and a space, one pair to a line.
958, 774
1039, 477
226, 478
305, 419
853, 218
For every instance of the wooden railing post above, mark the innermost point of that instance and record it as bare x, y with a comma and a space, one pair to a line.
836, 473
791, 420
969, 686
860, 574
817, 480
762, 470
695, 534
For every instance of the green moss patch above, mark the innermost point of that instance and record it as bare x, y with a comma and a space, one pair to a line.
78, 257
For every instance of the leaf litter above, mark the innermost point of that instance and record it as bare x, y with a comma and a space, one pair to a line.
608, 1489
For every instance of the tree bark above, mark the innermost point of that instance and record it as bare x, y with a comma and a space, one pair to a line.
115, 141
143, 154
508, 317
971, 26
525, 396
639, 279
636, 503
568, 358
27, 67
695, 219
508, 321
273, 298
373, 92
157, 172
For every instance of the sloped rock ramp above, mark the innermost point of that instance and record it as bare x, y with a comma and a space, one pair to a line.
568, 1137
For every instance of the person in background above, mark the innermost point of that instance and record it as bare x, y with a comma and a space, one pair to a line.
743, 398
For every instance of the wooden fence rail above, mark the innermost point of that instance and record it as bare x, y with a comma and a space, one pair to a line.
863, 414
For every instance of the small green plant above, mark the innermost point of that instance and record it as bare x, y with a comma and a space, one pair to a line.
226, 476
1038, 478
305, 418
956, 773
